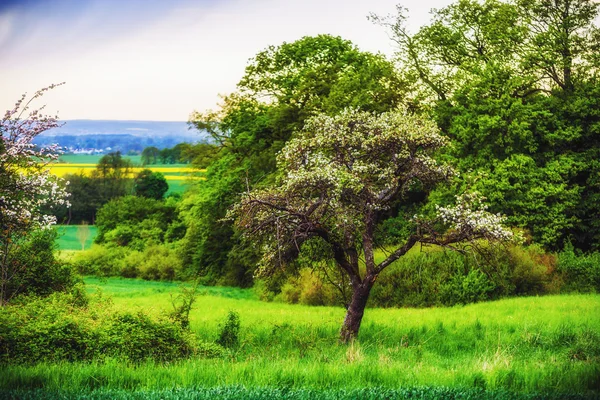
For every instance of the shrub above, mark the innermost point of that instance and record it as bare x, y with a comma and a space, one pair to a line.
308, 288
49, 329
100, 260
229, 332
160, 263
137, 337
464, 289
532, 270
63, 327
38, 271
447, 278
157, 262
580, 273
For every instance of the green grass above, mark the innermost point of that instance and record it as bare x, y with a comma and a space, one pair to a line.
176, 186
93, 158
67, 237
547, 345
240, 392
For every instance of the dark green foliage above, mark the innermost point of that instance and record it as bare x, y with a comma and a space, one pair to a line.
137, 337
515, 86
37, 271
581, 273
137, 222
152, 185
229, 331
108, 181
85, 200
150, 155
112, 176
67, 327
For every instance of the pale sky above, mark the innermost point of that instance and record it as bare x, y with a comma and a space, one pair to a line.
161, 60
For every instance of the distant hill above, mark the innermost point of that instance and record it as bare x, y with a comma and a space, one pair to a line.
125, 136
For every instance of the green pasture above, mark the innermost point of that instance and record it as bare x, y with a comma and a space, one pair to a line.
67, 237
176, 186
93, 158
541, 347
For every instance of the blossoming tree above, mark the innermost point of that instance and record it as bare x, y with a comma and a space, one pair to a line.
26, 185
339, 178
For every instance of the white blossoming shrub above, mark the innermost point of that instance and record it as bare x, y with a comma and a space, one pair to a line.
469, 216
26, 185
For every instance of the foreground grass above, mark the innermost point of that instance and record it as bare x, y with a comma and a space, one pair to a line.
548, 345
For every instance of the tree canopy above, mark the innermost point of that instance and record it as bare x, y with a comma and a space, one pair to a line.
512, 85
282, 87
340, 176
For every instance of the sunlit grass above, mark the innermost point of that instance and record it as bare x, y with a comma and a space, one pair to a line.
545, 345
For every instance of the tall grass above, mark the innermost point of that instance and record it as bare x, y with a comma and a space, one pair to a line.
545, 345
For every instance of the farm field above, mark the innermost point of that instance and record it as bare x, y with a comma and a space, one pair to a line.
67, 237
177, 175
534, 347
93, 158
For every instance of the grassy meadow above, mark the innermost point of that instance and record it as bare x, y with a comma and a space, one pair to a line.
534, 346
67, 237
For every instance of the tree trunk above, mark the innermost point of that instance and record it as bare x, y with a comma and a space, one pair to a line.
356, 310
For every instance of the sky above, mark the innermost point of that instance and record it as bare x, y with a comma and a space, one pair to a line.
162, 59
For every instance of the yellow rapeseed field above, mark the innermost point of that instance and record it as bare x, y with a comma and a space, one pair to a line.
170, 173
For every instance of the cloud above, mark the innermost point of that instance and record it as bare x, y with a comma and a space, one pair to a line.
53, 28
160, 60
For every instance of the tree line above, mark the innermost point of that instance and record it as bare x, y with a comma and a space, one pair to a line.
197, 154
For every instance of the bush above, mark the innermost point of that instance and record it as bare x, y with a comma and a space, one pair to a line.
464, 289
580, 273
532, 270
308, 288
448, 278
136, 337
442, 278
100, 260
157, 262
229, 332
38, 271
49, 329
160, 263
63, 327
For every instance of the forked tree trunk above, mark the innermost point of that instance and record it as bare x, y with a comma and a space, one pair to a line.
356, 310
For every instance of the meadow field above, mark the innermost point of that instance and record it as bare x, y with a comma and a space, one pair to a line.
533, 347
67, 237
